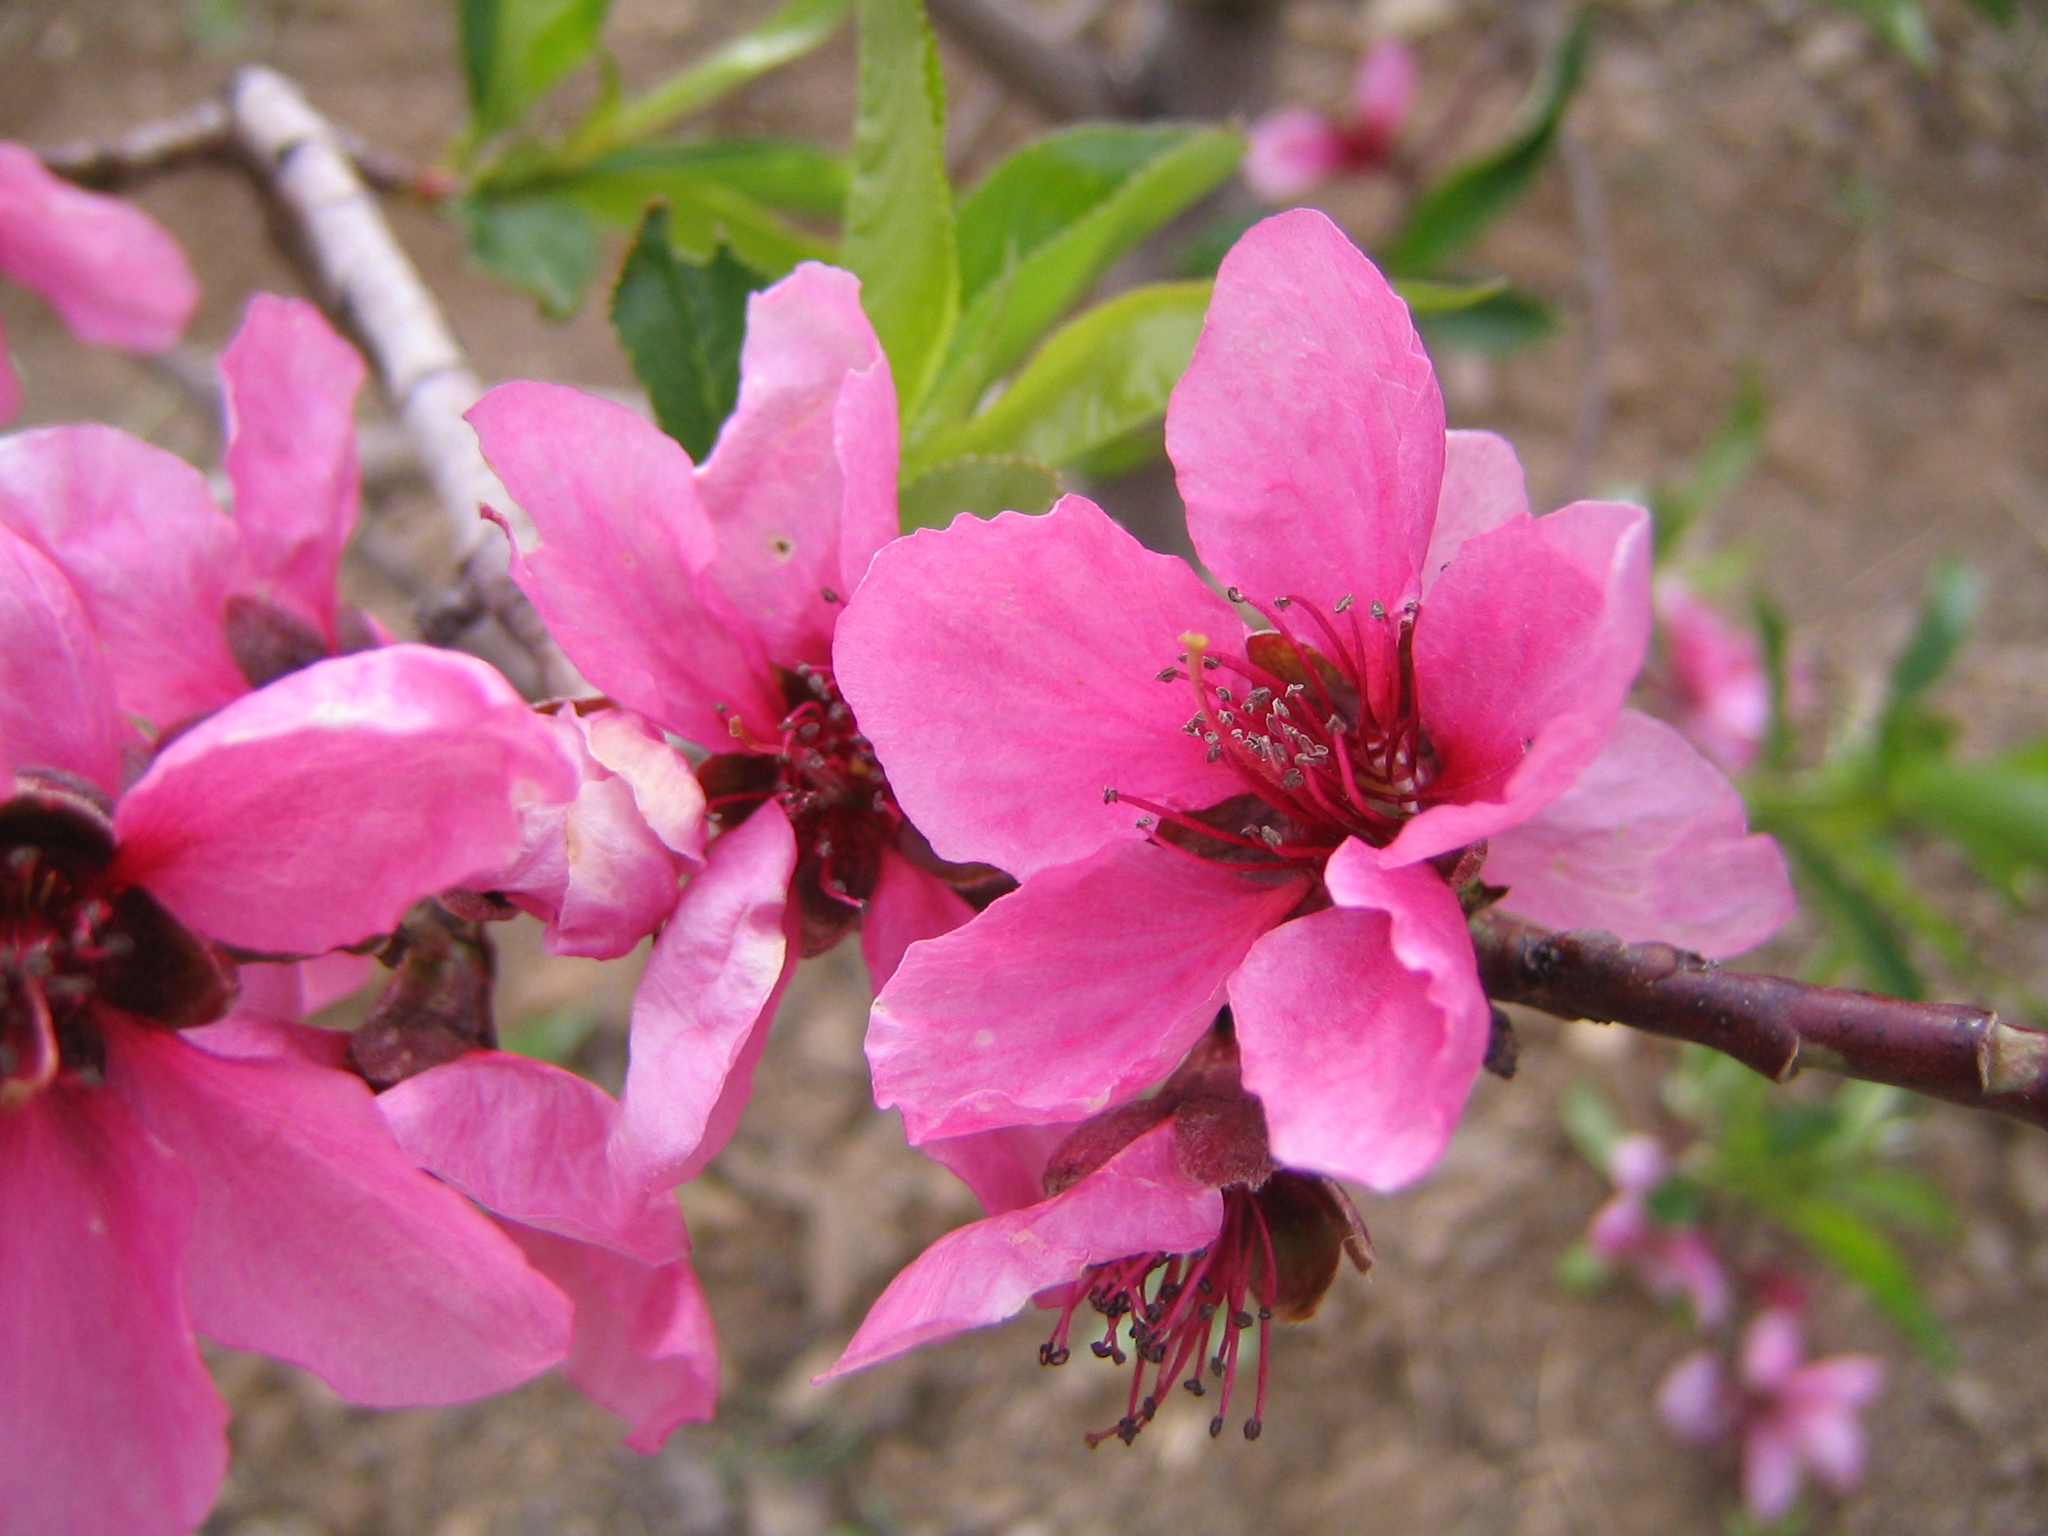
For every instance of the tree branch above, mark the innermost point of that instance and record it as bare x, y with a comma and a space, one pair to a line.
1773, 1025
339, 235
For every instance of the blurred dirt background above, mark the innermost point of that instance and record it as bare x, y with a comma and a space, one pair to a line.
1780, 193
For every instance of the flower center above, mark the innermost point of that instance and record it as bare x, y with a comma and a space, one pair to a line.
1275, 1255
1319, 721
70, 941
825, 776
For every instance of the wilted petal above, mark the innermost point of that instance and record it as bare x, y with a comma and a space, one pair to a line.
1523, 653
318, 1241
908, 905
1308, 433
643, 1345
1137, 1202
1652, 844
1483, 488
1006, 671
57, 705
665, 792
1083, 986
775, 486
112, 1425
531, 1142
312, 813
701, 1014
1362, 1027
1291, 152
616, 573
290, 386
149, 554
114, 274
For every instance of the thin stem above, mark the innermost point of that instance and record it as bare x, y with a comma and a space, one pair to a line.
1773, 1025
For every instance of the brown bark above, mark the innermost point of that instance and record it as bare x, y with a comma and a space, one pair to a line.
1776, 1026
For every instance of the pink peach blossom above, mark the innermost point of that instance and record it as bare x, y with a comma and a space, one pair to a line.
114, 274
1671, 1259
1163, 1214
228, 602
704, 599
1708, 678
1295, 150
1792, 1418
166, 1173
1202, 812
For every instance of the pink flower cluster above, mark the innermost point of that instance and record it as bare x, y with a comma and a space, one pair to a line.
1163, 888
1292, 151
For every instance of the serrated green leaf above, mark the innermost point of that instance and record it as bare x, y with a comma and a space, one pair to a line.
681, 324
515, 51
899, 232
1098, 378
983, 486
1873, 1262
704, 213
1502, 322
1450, 215
546, 247
1045, 225
785, 174
789, 34
1722, 465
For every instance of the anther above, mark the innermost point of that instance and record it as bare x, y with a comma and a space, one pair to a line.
1344, 603
1233, 594
1252, 1427
1109, 796
1216, 1427
1379, 609
828, 594
1167, 674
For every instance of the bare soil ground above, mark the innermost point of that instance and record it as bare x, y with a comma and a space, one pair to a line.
1780, 194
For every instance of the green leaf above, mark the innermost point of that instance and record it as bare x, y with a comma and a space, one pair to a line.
1135, 449
1862, 920
899, 233
1773, 636
1900, 23
704, 213
1426, 296
1450, 215
1676, 1202
1947, 613
786, 174
681, 324
515, 51
983, 486
1045, 225
1997, 811
1502, 322
1591, 1123
1096, 379
1722, 465
1899, 1196
546, 247
1873, 1262
789, 34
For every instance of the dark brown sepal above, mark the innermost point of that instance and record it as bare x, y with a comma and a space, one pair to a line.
269, 642
1312, 1225
1503, 1050
437, 1004
168, 974
1219, 1140
1096, 1140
